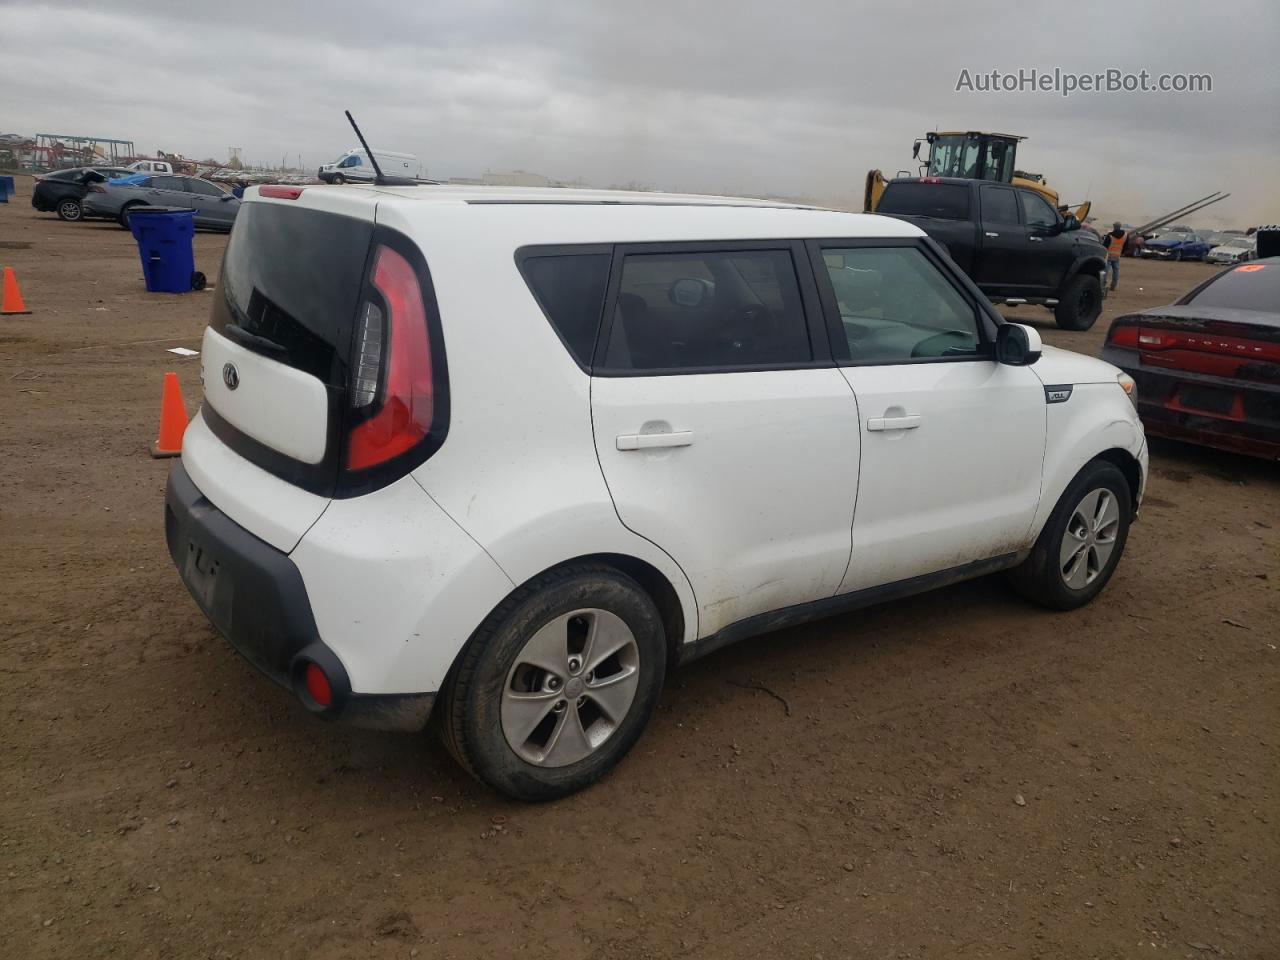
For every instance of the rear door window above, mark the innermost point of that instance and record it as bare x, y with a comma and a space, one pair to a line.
570, 289
999, 205
708, 311
945, 201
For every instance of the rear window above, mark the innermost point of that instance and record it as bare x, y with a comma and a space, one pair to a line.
291, 277
570, 289
946, 201
1253, 286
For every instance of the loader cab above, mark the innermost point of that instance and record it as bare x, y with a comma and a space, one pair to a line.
971, 155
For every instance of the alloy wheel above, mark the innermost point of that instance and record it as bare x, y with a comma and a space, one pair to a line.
570, 687
1090, 538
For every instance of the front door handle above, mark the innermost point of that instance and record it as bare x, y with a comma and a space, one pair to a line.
990, 234
1036, 239
648, 441
893, 423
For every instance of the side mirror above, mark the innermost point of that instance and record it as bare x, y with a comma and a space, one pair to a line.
691, 292
1017, 344
915, 151
1070, 223
225, 197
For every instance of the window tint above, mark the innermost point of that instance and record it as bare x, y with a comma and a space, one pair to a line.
1036, 210
570, 289
64, 175
947, 201
167, 183
709, 309
896, 306
999, 205
204, 188
1253, 286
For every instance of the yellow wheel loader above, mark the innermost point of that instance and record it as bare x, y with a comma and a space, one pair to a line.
972, 155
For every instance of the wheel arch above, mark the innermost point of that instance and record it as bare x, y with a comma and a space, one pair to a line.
1128, 465
652, 580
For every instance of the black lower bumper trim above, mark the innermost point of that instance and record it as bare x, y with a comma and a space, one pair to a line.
255, 597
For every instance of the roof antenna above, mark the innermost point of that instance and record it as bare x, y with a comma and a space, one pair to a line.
379, 178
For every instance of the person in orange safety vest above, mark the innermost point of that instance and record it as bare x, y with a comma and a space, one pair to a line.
1115, 248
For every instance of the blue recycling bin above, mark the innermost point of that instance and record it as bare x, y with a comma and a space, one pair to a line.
6, 189
164, 236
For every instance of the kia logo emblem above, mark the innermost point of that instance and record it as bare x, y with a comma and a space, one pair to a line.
230, 376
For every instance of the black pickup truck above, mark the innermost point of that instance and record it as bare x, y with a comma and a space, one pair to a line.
1011, 241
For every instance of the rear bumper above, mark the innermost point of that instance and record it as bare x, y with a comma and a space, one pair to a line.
1172, 403
255, 596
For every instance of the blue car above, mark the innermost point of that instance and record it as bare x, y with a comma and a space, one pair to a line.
1176, 245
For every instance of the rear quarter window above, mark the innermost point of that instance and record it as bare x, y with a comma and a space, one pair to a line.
1251, 286
570, 289
945, 201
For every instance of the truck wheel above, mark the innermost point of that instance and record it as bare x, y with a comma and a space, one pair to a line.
556, 685
1081, 543
1079, 303
337, 179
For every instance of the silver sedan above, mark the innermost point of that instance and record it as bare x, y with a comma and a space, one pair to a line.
214, 208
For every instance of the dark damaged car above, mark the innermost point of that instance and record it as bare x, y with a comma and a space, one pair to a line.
1208, 367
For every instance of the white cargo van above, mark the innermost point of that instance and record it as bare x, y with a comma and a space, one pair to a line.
354, 166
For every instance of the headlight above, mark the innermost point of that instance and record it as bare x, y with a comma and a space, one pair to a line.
1130, 388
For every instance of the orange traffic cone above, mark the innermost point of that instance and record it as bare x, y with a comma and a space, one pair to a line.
173, 420
10, 298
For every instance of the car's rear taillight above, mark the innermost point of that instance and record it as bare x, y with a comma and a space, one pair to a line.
97, 188
393, 391
1123, 336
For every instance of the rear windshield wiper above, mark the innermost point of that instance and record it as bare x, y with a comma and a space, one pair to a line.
242, 336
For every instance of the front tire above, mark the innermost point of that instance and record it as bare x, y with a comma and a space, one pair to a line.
1082, 542
1080, 303
69, 209
557, 684
337, 179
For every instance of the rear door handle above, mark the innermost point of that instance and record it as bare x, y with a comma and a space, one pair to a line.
648, 441
990, 234
1036, 239
893, 423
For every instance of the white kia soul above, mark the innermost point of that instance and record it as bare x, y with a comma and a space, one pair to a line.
500, 458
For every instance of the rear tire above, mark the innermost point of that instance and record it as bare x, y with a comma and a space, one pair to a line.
1081, 543
1079, 303
533, 708
123, 218
69, 209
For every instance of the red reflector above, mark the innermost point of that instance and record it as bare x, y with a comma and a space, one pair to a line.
408, 406
280, 193
318, 685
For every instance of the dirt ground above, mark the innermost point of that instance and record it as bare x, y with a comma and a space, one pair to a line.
955, 775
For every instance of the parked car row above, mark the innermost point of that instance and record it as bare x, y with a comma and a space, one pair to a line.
109, 193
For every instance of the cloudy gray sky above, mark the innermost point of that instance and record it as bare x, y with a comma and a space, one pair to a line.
792, 98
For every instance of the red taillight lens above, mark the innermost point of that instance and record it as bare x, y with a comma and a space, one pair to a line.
405, 414
318, 685
280, 193
97, 188
1123, 336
